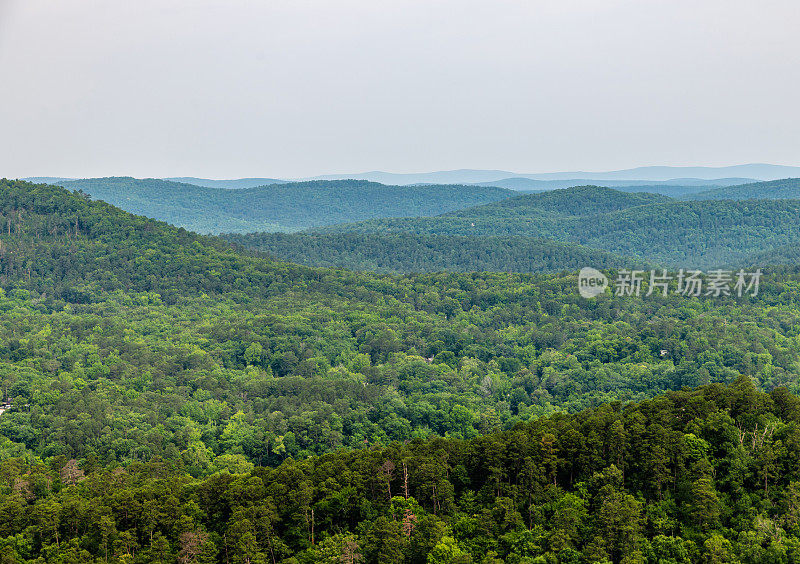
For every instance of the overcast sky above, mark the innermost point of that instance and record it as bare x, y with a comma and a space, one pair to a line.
289, 88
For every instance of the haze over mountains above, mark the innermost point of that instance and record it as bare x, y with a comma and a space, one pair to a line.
651, 173
365, 225
290, 206
685, 176
673, 186
651, 227
230, 184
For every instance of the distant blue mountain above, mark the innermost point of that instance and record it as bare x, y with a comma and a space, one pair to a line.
754, 171
280, 206
672, 186
46, 179
464, 176
230, 184
640, 174
675, 176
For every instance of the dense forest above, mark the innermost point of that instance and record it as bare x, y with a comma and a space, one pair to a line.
787, 254
693, 476
405, 253
675, 188
405, 229
567, 202
697, 234
176, 398
586, 225
678, 191
784, 189
290, 206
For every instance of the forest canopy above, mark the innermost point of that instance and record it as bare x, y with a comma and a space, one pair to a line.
287, 206
176, 398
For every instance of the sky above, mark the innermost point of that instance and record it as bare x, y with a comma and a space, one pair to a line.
292, 88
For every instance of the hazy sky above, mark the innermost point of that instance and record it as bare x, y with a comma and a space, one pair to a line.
293, 88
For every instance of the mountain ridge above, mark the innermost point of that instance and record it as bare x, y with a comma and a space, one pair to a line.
749, 171
758, 171
407, 253
279, 207
686, 234
782, 189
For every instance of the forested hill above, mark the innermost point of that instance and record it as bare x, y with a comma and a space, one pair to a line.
150, 370
674, 187
700, 234
786, 188
694, 476
787, 255
280, 207
69, 247
107, 297
576, 201
404, 253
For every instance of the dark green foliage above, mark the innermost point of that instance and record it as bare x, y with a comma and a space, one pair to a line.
279, 207
699, 234
787, 254
672, 190
693, 476
173, 399
401, 252
577, 201
783, 189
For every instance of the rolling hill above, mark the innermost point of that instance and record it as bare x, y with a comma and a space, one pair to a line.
783, 255
576, 201
672, 187
47, 179
90, 295
786, 188
169, 393
279, 207
406, 253
654, 228
645, 173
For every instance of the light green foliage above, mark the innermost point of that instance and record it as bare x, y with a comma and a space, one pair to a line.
173, 398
